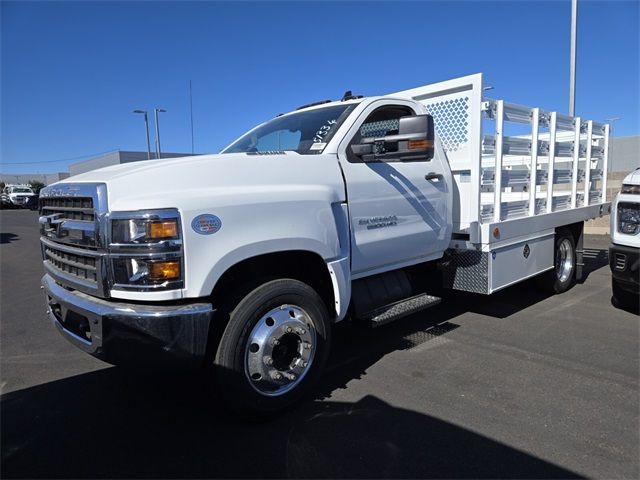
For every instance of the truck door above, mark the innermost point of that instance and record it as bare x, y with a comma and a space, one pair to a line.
400, 210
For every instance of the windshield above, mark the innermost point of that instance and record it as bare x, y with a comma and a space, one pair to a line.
305, 132
21, 190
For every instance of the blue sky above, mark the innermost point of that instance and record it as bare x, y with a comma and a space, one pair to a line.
73, 72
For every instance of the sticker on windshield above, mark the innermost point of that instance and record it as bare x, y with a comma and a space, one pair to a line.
318, 146
324, 130
206, 224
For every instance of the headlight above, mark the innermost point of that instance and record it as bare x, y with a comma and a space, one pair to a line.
146, 250
632, 189
144, 230
629, 218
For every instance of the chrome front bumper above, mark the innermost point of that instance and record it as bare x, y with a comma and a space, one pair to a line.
122, 333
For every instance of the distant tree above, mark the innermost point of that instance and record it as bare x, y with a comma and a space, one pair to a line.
36, 185
2, 185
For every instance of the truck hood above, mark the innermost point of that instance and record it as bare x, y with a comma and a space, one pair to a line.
199, 181
633, 178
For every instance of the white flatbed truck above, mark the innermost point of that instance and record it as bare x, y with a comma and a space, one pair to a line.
332, 211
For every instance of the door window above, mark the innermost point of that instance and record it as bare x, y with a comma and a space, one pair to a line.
380, 123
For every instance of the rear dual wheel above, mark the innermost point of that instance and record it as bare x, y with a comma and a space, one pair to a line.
563, 276
273, 348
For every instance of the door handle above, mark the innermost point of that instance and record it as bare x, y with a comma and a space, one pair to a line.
433, 176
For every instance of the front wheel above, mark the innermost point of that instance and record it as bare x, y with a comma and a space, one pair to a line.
273, 348
562, 277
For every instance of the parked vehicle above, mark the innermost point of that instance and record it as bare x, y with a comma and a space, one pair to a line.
32, 202
624, 257
16, 195
335, 210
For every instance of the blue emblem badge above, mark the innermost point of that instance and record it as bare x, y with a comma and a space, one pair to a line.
206, 224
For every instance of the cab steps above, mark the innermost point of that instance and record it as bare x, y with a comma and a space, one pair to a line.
394, 311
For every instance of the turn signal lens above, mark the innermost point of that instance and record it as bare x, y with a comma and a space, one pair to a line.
169, 270
162, 230
423, 143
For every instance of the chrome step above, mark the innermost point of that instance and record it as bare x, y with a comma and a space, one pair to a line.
394, 311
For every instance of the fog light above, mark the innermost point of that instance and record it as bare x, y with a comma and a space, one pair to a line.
169, 270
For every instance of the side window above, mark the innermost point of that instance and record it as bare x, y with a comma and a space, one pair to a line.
380, 123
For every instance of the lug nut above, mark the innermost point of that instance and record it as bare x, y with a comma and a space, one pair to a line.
290, 376
305, 364
288, 330
301, 331
307, 346
275, 342
276, 376
268, 360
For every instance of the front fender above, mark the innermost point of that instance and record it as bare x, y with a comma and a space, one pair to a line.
314, 226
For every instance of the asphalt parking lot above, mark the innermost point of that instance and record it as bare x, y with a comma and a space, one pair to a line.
519, 384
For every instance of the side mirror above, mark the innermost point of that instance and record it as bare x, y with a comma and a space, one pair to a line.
417, 137
414, 142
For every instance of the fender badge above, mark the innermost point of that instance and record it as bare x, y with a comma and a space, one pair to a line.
206, 224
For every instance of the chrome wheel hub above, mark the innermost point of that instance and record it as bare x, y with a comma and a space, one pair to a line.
280, 350
564, 261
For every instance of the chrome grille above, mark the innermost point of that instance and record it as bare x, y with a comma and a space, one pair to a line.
72, 219
83, 267
72, 208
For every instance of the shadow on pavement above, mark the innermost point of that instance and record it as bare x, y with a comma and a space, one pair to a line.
8, 237
594, 259
111, 424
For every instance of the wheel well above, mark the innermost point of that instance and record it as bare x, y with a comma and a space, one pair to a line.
575, 229
308, 267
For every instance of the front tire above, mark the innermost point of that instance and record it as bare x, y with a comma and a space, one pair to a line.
563, 276
274, 347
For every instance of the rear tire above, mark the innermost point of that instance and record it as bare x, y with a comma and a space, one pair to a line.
563, 276
274, 347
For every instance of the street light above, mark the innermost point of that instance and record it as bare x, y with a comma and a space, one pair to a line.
610, 122
158, 152
146, 126
572, 60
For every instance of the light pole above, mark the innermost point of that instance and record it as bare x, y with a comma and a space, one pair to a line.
158, 152
572, 62
610, 122
146, 126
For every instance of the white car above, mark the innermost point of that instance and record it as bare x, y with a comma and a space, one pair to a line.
16, 195
625, 243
